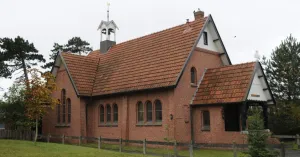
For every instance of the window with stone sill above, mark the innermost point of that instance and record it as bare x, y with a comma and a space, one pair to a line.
140, 112
101, 114
115, 114
58, 112
193, 76
149, 111
205, 121
69, 110
158, 111
108, 114
153, 113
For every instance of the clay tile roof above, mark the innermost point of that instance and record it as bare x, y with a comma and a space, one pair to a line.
151, 61
82, 70
225, 84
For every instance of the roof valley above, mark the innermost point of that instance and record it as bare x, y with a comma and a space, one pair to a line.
95, 76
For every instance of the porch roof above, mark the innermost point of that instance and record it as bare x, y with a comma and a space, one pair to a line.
233, 83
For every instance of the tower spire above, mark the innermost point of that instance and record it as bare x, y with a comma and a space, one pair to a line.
108, 4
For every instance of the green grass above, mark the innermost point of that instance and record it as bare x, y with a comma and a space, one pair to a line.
15, 148
162, 151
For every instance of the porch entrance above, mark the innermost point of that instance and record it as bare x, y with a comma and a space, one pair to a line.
231, 117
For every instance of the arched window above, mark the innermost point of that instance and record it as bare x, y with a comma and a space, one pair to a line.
101, 114
63, 96
158, 111
193, 75
149, 111
115, 112
63, 113
140, 111
58, 111
69, 110
108, 113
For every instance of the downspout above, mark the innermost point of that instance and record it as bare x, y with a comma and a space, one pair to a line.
192, 125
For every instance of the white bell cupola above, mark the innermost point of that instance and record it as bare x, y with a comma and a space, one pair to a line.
107, 33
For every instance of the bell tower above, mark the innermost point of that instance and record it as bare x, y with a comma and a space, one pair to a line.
107, 31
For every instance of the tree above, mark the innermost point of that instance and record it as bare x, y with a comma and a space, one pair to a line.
18, 54
78, 46
257, 136
283, 70
12, 109
75, 45
4, 70
284, 118
38, 97
283, 73
56, 49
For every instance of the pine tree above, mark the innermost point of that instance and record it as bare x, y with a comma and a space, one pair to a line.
283, 70
75, 45
283, 73
78, 46
18, 54
54, 52
257, 137
4, 70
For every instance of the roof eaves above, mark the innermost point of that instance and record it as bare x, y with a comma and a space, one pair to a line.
57, 54
250, 83
69, 74
267, 83
191, 52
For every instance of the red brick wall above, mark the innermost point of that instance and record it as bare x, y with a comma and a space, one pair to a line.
50, 119
174, 102
184, 92
217, 133
127, 125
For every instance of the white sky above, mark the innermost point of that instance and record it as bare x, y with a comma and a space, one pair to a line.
257, 24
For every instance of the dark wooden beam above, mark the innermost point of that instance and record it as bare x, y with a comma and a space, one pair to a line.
216, 40
56, 66
260, 76
266, 89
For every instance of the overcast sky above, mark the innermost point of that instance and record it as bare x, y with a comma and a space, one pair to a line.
257, 24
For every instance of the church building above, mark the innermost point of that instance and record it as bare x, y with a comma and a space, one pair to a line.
178, 83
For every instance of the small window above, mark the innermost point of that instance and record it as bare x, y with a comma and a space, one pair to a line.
140, 111
158, 111
108, 113
149, 111
205, 121
63, 113
63, 96
58, 111
101, 114
115, 107
205, 41
69, 110
193, 75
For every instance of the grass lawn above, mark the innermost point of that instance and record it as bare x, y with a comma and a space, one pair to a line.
161, 151
15, 148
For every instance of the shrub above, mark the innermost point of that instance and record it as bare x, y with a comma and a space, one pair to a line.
257, 136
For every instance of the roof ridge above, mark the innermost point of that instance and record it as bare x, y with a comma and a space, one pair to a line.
147, 35
233, 65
